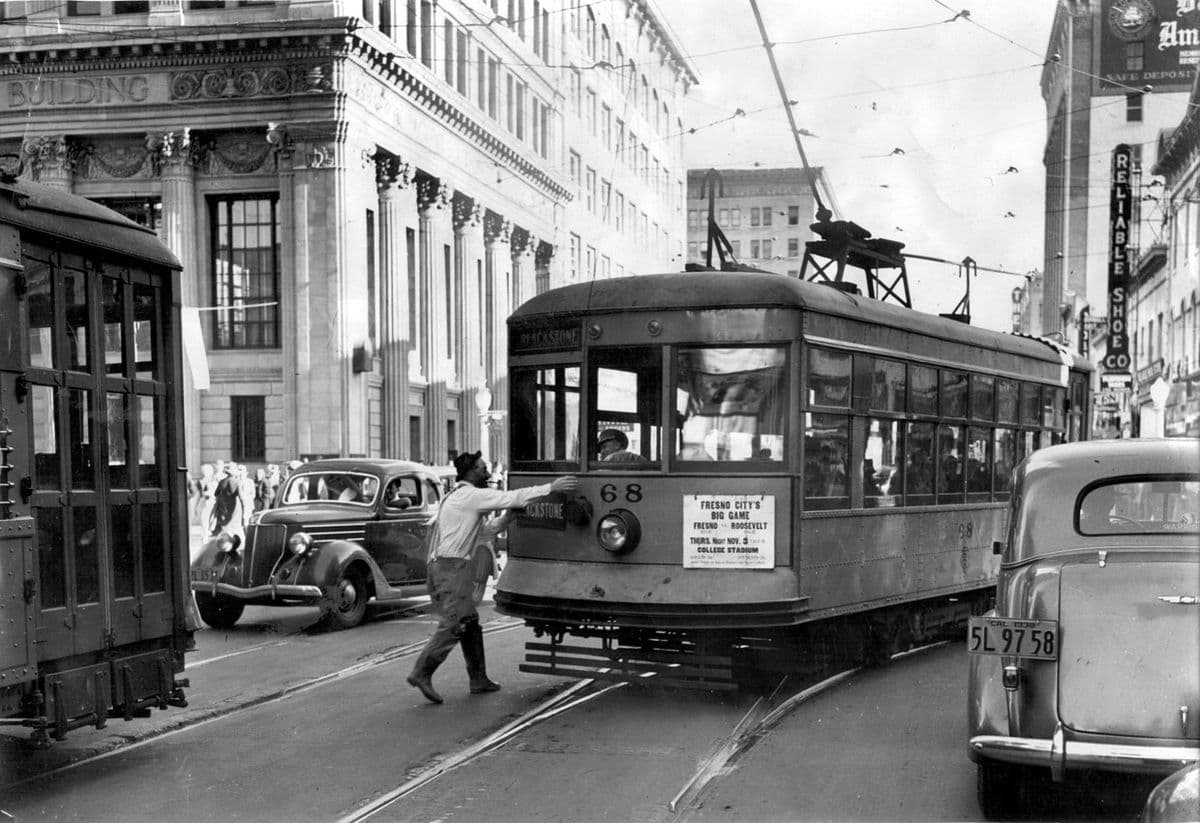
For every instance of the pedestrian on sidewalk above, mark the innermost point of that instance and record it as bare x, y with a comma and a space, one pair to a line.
452, 570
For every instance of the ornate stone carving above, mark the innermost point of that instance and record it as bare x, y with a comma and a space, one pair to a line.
495, 228
233, 82
280, 141
118, 158
390, 171
47, 154
432, 193
467, 212
239, 152
322, 155
173, 149
544, 253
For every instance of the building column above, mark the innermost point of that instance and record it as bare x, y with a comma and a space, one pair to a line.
179, 230
318, 405
497, 271
433, 202
469, 249
397, 211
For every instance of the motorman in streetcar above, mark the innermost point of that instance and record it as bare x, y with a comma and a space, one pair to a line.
1090, 660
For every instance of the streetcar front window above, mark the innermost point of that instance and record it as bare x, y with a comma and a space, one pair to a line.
625, 413
730, 404
545, 415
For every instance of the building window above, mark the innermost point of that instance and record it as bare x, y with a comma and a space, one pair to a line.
372, 305
248, 428
766, 216
793, 247
245, 272
451, 441
414, 437
755, 218
576, 248
145, 211
1133, 108
735, 218
754, 249
793, 215
1135, 56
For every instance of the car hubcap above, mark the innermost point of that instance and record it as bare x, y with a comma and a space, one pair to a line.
347, 595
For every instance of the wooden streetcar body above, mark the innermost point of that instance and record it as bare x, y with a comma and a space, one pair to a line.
881, 559
93, 489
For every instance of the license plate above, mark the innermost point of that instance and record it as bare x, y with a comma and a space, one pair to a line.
1013, 637
204, 575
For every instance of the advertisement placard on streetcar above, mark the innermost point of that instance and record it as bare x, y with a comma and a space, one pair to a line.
1011, 636
728, 531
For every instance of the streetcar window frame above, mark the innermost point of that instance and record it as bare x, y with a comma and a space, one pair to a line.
781, 395
527, 408
643, 425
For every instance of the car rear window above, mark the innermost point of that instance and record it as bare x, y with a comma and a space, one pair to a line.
1151, 504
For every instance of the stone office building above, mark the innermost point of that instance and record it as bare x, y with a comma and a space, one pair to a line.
360, 191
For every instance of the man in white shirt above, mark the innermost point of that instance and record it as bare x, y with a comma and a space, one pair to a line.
452, 573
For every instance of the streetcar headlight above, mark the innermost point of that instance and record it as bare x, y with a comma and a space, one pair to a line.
619, 531
299, 544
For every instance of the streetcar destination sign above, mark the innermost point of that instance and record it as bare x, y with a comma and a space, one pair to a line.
728, 531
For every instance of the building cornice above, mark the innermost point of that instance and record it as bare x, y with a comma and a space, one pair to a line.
264, 43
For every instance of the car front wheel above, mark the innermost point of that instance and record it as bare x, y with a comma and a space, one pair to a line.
218, 611
348, 600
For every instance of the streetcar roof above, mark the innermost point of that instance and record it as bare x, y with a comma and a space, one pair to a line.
71, 217
722, 290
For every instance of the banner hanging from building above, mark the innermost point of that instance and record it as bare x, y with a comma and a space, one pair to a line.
1114, 372
1152, 43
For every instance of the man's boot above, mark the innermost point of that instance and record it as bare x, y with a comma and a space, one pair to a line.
422, 679
472, 646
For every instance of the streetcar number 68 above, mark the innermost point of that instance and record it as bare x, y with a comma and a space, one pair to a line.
1013, 637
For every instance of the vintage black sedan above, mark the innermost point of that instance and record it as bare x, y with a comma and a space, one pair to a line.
1090, 661
343, 534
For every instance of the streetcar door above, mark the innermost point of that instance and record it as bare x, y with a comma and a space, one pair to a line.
133, 445
18, 585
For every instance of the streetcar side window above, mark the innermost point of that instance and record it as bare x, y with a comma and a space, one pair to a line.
826, 444
730, 404
829, 377
545, 416
626, 411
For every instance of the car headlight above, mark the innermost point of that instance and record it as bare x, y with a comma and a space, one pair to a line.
227, 543
299, 544
619, 531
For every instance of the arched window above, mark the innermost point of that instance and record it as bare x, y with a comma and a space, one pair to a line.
605, 45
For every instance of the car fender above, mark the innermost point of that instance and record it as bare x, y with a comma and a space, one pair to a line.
987, 707
332, 559
210, 555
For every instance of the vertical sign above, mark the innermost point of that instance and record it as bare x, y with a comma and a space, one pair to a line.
1115, 368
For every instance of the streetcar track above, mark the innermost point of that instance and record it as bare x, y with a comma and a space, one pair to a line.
284, 693
555, 705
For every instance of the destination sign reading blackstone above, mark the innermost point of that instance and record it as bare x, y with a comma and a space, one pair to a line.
728, 531
558, 337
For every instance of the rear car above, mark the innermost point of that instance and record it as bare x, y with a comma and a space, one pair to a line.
343, 534
1091, 659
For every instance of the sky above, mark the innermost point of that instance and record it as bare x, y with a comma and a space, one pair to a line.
930, 126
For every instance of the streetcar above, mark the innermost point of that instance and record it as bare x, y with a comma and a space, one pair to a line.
808, 476
93, 522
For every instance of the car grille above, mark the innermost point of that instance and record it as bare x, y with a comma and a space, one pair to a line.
264, 545
355, 530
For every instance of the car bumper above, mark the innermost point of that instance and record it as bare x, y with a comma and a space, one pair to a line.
269, 591
1059, 754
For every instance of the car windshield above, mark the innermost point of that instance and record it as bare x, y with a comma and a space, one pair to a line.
342, 487
1141, 505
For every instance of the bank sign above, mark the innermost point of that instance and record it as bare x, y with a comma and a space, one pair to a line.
1148, 43
1114, 371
